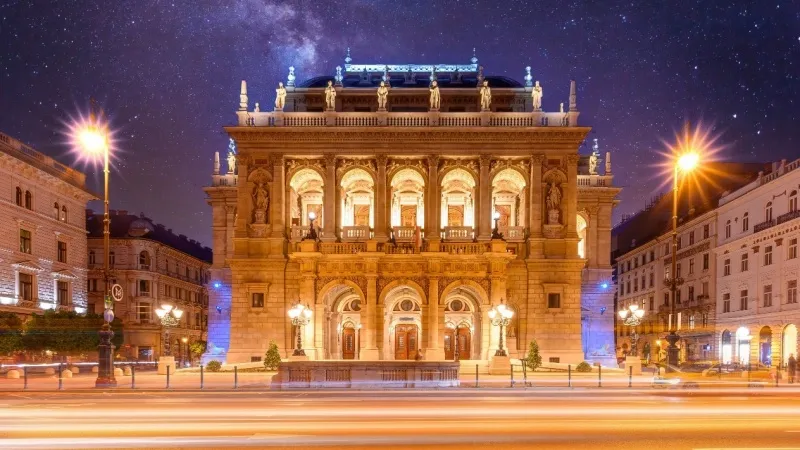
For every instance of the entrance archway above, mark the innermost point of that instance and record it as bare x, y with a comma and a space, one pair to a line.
462, 322
406, 341
343, 304
726, 347
403, 322
743, 339
765, 346
789, 342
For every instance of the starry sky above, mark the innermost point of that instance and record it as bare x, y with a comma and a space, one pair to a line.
167, 73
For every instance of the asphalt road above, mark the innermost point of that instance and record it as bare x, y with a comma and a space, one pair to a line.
558, 419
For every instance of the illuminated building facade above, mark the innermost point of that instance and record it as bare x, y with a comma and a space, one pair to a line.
405, 178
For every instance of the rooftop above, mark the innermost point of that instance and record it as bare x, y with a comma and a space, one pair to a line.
129, 226
28, 155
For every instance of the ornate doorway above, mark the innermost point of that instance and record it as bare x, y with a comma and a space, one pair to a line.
349, 343
464, 342
405, 341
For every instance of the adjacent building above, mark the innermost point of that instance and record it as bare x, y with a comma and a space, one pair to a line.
409, 175
42, 235
154, 266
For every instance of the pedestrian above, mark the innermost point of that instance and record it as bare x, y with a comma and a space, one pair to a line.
791, 367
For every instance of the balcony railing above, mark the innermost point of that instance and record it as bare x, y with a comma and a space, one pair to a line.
513, 234
788, 216
459, 234
399, 248
342, 248
465, 248
356, 234
764, 225
407, 119
404, 234
298, 233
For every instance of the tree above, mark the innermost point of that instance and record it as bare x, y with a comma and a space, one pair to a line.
273, 357
533, 360
67, 332
197, 348
10, 333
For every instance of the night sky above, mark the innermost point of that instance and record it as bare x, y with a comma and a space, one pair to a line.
168, 75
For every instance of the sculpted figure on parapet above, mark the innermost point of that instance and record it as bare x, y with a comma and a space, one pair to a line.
383, 94
435, 96
537, 97
330, 96
280, 97
486, 96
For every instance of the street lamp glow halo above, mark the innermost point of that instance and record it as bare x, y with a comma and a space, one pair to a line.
688, 161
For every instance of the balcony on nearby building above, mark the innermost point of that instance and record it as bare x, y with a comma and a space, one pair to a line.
764, 225
788, 216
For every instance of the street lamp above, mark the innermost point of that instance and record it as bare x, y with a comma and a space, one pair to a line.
496, 230
300, 315
500, 316
185, 348
632, 317
312, 232
685, 163
170, 317
92, 138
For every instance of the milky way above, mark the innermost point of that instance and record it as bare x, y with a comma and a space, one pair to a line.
168, 73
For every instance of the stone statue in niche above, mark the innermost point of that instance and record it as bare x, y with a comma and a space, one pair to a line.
593, 163
435, 96
280, 97
231, 162
330, 97
260, 203
553, 204
486, 96
383, 95
537, 97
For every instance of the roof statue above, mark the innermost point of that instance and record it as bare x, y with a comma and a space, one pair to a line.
243, 97
486, 96
280, 97
537, 95
528, 77
330, 96
435, 96
290, 78
383, 94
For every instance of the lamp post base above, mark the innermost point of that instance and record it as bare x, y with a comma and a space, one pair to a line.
299, 352
672, 351
500, 365
105, 360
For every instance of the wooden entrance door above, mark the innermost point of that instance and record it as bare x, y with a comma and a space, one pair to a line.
405, 341
448, 344
464, 343
349, 343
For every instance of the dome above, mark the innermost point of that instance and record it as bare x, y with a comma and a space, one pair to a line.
140, 227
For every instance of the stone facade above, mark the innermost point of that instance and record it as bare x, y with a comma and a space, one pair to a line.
408, 257
154, 266
42, 238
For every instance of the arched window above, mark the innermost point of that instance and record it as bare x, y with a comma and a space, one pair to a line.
768, 212
793, 201
28, 200
64, 213
144, 260
19, 197
745, 222
728, 229
56, 209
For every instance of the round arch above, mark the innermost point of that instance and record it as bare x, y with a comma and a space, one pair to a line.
482, 295
356, 172
291, 173
396, 284
789, 346
331, 285
446, 171
765, 345
397, 169
505, 172
581, 226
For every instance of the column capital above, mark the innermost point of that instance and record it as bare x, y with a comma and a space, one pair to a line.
433, 161
330, 160
381, 160
537, 159
485, 160
573, 159
276, 159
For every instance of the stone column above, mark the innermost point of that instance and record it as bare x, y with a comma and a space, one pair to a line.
329, 212
434, 351
591, 242
535, 206
572, 206
369, 350
276, 202
380, 201
432, 217
484, 219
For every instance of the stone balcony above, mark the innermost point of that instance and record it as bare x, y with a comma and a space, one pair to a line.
408, 119
354, 248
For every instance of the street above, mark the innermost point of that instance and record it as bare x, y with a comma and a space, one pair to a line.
556, 418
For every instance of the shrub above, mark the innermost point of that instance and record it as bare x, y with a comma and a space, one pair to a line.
534, 359
273, 357
214, 366
583, 367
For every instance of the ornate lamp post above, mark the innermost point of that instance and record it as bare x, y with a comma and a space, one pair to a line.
685, 163
312, 232
632, 317
500, 316
184, 348
496, 230
170, 317
92, 138
300, 316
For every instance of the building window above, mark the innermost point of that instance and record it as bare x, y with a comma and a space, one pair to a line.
666, 298
678, 296
554, 300
691, 266
728, 229
636, 284
793, 201
628, 286
257, 299
652, 279
768, 255
678, 271
704, 292
57, 210
680, 242
112, 259
643, 280
726, 268
28, 200
691, 237
706, 231
18, 197
768, 212
63, 213
767, 295
652, 255
62, 293
144, 312
652, 302
62, 252
791, 291
25, 286
91, 284
743, 300
144, 288
705, 261
92, 257
691, 321
792, 248
726, 302
628, 266
636, 262
25, 241
691, 293
745, 222
144, 260
744, 265
666, 249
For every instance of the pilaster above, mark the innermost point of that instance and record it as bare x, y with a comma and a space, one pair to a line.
380, 203
329, 213
536, 239
485, 214
434, 351
277, 202
432, 200
571, 236
369, 350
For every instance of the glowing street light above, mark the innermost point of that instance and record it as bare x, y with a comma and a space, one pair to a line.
170, 317
496, 230
632, 317
312, 232
500, 316
300, 315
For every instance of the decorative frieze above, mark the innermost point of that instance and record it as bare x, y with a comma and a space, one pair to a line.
346, 164
297, 164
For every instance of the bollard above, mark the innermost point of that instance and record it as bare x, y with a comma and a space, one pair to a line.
201, 376
60, 378
524, 375
476, 376
777, 374
133, 376
630, 376
168, 366
235, 377
748, 374
512, 375
25, 377
569, 375
599, 376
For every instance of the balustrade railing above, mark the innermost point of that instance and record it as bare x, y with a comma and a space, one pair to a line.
356, 233
399, 249
342, 248
764, 225
299, 232
458, 233
465, 248
788, 216
404, 234
515, 234
407, 119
